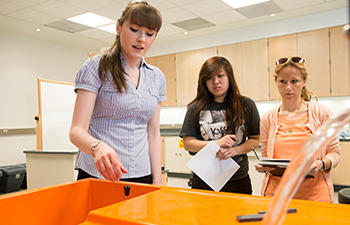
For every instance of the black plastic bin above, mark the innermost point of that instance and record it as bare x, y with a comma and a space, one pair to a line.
24, 183
12, 178
344, 196
0, 177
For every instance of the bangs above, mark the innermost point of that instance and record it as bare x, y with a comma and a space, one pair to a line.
145, 16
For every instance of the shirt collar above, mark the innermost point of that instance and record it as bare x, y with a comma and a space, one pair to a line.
142, 63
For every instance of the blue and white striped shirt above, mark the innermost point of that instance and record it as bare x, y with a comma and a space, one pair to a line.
120, 119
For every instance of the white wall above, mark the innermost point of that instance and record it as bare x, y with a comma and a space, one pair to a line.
22, 61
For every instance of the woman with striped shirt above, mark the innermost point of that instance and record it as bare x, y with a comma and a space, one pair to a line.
115, 123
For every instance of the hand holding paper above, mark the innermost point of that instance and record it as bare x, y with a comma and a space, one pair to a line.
210, 169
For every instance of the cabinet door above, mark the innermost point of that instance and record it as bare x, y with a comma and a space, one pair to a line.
233, 53
188, 65
339, 52
254, 78
166, 63
249, 63
282, 46
314, 47
186, 77
175, 157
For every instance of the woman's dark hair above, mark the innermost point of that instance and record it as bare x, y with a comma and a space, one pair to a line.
233, 98
141, 14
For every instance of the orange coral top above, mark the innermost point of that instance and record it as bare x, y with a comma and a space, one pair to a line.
290, 137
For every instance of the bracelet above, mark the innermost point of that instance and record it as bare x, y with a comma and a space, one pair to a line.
93, 146
323, 165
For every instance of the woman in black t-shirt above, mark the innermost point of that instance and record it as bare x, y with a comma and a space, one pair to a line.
220, 113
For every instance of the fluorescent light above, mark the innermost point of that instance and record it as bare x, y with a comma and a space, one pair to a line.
111, 28
90, 19
242, 3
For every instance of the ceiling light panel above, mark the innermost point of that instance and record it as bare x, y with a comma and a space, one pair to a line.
240, 3
91, 19
111, 28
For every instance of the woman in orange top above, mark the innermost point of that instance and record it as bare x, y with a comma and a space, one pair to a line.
285, 129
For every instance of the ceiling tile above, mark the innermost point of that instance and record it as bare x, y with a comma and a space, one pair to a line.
261, 9
26, 2
183, 2
288, 4
58, 9
176, 14
194, 24
7, 7
33, 16
206, 7
16, 25
113, 11
168, 29
161, 4
96, 34
67, 26
225, 17
89, 4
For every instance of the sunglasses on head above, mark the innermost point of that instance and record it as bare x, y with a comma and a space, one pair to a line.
295, 59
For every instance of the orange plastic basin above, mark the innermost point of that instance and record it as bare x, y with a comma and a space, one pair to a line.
99, 202
169, 206
64, 204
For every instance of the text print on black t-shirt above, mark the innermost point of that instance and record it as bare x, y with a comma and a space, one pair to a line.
213, 126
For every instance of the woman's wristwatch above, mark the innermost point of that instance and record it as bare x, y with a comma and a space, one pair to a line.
93, 147
323, 165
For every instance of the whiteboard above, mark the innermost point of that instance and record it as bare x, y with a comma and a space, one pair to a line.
56, 104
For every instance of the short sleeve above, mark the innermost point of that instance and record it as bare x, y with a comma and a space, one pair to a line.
188, 127
252, 118
162, 86
87, 78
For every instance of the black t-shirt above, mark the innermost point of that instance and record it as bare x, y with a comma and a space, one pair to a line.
213, 126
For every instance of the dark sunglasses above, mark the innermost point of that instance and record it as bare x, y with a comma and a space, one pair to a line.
295, 59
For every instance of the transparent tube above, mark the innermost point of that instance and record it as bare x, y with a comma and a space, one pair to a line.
299, 167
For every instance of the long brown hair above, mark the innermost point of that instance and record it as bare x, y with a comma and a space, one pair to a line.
306, 94
235, 111
138, 13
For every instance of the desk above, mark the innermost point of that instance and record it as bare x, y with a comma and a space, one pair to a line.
45, 168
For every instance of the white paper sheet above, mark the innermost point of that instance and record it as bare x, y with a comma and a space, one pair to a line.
211, 170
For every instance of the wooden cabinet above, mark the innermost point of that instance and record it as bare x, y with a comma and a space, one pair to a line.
340, 174
253, 65
314, 47
254, 82
188, 65
339, 53
166, 63
282, 46
250, 63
